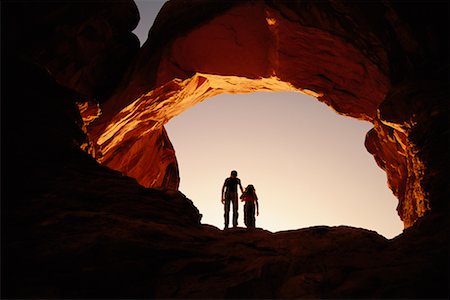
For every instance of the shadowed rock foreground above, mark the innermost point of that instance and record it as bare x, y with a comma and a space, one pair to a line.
73, 228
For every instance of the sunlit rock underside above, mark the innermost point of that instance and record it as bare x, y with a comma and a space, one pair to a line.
73, 227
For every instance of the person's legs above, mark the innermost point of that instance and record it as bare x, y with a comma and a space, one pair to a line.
235, 211
251, 214
227, 212
246, 214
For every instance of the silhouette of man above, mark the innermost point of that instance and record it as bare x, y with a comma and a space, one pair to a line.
229, 195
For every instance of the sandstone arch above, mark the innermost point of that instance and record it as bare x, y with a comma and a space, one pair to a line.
335, 52
67, 219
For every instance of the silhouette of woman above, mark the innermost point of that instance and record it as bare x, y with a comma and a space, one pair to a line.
250, 199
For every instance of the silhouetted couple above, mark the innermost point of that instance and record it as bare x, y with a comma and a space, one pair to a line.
230, 198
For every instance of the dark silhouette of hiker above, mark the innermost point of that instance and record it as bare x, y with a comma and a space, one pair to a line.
229, 195
250, 199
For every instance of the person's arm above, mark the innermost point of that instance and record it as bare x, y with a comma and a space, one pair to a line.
222, 198
240, 185
257, 205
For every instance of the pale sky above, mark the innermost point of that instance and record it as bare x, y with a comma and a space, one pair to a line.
308, 164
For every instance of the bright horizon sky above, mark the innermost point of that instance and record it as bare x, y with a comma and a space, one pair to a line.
308, 164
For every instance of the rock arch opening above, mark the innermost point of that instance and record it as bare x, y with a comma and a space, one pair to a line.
308, 163
255, 46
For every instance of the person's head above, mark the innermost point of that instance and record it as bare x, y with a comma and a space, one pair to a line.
250, 188
233, 173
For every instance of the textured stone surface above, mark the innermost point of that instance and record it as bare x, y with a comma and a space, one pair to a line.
72, 228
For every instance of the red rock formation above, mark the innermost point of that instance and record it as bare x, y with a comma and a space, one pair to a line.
72, 228
341, 53
249, 47
404, 142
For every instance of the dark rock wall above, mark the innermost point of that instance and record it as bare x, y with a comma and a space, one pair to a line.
85, 46
72, 228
